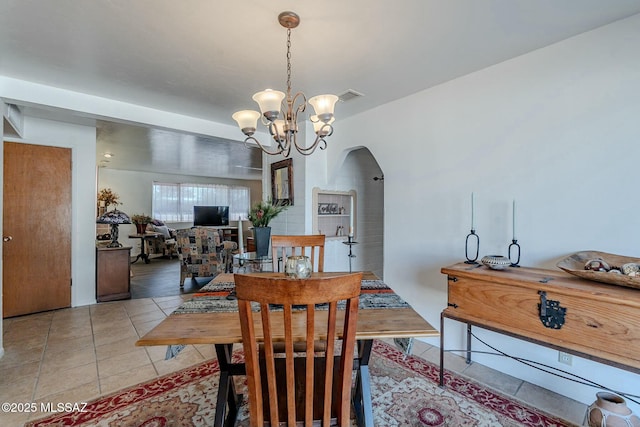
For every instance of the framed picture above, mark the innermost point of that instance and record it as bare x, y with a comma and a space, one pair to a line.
282, 182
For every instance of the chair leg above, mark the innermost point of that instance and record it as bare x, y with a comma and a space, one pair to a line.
183, 276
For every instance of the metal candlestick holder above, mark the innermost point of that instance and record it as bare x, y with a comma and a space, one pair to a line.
474, 237
350, 243
514, 245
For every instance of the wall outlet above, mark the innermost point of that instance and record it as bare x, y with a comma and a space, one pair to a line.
565, 358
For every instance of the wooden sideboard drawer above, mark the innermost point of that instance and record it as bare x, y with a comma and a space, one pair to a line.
601, 321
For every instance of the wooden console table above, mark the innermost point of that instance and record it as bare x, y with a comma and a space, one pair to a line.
601, 321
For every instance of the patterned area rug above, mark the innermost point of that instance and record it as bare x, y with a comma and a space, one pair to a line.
405, 391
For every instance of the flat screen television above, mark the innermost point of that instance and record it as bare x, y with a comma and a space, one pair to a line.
210, 216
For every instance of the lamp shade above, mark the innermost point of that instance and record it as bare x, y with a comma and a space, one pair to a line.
247, 120
114, 217
269, 101
323, 106
278, 130
319, 127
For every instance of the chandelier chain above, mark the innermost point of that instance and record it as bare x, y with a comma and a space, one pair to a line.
288, 62
285, 131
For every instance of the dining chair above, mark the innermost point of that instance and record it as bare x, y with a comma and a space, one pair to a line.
298, 386
311, 245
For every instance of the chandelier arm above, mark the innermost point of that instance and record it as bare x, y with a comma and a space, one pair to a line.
262, 147
319, 142
302, 103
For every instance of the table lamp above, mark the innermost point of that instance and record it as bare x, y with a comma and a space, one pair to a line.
114, 218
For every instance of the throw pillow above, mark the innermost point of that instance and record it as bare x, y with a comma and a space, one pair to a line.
162, 229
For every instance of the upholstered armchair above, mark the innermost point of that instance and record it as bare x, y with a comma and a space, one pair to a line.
199, 253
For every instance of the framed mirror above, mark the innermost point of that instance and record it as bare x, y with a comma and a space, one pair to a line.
282, 182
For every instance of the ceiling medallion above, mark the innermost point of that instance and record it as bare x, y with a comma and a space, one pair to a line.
274, 103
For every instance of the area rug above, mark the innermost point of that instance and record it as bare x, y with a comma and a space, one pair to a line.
404, 388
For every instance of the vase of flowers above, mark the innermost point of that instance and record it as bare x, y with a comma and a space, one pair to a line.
107, 197
260, 216
141, 221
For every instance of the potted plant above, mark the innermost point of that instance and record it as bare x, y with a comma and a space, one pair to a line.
141, 221
260, 216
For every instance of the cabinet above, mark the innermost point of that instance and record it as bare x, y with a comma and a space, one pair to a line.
113, 277
600, 322
334, 213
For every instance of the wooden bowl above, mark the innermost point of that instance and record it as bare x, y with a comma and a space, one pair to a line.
574, 264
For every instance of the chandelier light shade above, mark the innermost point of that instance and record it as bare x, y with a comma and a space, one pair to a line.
279, 111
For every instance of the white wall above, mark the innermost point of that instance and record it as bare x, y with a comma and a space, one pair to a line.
557, 130
135, 191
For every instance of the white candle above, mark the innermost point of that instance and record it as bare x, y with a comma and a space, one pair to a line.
472, 213
514, 219
240, 238
350, 231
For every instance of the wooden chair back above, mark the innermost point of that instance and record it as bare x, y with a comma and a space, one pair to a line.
298, 386
311, 245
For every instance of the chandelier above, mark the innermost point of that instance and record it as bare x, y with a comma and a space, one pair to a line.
272, 104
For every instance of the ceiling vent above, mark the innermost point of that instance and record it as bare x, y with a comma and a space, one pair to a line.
349, 94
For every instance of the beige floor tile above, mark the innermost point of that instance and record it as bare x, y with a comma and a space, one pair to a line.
76, 313
123, 362
553, 403
143, 328
452, 362
128, 378
77, 343
106, 336
419, 347
66, 332
13, 419
67, 379
207, 351
27, 370
15, 355
187, 357
148, 316
17, 390
156, 352
26, 332
78, 395
116, 348
111, 325
146, 306
68, 359
494, 379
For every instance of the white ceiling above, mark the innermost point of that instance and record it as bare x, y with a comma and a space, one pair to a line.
205, 58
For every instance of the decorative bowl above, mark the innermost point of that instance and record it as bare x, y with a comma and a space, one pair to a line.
298, 267
496, 262
575, 264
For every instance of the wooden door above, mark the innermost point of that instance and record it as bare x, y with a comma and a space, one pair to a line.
36, 255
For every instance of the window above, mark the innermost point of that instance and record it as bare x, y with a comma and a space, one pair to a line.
175, 202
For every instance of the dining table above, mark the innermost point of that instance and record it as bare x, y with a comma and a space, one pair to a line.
211, 317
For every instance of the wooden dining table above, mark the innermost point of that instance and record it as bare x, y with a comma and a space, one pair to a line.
214, 321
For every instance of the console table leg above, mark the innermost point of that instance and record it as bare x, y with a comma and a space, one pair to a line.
441, 350
468, 343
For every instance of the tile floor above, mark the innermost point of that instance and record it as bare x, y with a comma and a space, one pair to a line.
77, 354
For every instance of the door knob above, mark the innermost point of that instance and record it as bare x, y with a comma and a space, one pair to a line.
7, 238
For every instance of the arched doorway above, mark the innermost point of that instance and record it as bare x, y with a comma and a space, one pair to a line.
361, 172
